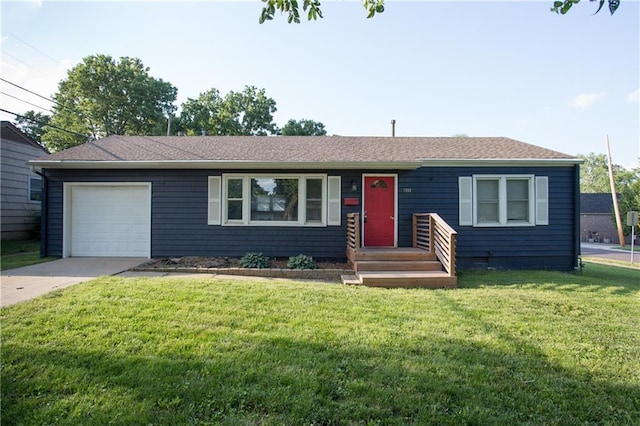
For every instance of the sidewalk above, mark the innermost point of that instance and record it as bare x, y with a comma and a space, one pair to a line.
26, 283
609, 252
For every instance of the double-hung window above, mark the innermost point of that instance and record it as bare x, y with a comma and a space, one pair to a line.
503, 200
281, 200
35, 189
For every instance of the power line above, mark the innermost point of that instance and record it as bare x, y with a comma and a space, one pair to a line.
34, 48
56, 103
26, 102
4, 52
44, 124
27, 90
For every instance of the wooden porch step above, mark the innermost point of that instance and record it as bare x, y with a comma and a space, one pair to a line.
394, 254
397, 265
350, 280
407, 279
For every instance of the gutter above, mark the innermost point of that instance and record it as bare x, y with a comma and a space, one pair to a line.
504, 162
297, 165
44, 211
577, 248
199, 164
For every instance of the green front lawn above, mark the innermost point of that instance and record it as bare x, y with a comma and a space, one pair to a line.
505, 348
19, 253
10, 247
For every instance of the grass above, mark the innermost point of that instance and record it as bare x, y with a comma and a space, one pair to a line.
506, 347
19, 253
611, 262
627, 247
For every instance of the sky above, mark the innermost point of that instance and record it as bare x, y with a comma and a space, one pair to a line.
501, 68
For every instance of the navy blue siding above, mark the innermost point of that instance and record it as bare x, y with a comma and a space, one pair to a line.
537, 247
179, 218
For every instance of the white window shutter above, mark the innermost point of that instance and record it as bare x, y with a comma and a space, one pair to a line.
465, 200
334, 216
542, 200
213, 216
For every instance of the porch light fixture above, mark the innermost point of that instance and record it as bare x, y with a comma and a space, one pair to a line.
354, 185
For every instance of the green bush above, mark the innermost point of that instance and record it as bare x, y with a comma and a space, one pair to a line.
254, 260
301, 262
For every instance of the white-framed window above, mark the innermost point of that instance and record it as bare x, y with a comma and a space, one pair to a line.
503, 200
35, 189
274, 200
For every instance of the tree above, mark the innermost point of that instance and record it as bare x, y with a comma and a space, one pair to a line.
249, 112
312, 8
594, 178
630, 198
563, 6
303, 127
102, 97
33, 124
594, 174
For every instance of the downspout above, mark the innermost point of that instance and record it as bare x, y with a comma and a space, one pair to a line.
576, 220
44, 209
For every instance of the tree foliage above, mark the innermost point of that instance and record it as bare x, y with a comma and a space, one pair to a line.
291, 8
594, 174
303, 127
33, 124
249, 112
102, 96
594, 178
563, 6
311, 7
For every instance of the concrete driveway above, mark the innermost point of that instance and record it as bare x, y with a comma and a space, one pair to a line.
26, 283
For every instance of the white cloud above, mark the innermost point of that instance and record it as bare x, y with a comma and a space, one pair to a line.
586, 100
634, 96
42, 80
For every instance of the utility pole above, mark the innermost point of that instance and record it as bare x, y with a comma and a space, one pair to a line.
616, 209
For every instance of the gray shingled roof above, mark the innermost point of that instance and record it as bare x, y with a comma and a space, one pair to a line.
317, 150
10, 132
596, 203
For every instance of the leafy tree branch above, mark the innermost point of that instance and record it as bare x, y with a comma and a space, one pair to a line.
291, 8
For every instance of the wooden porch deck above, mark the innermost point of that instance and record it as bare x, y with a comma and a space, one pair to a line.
420, 266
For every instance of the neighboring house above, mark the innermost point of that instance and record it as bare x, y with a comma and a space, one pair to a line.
20, 187
596, 219
513, 205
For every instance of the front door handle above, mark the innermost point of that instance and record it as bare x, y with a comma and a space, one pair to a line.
392, 218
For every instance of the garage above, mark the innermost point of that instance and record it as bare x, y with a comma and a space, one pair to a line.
108, 220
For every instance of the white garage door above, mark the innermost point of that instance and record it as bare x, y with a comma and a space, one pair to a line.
110, 221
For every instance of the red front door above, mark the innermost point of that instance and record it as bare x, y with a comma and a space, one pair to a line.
379, 211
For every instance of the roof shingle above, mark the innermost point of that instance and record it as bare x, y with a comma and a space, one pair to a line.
306, 149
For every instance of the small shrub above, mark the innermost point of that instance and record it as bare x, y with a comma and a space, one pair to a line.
254, 260
35, 217
301, 262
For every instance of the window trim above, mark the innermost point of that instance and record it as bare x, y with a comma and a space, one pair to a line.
31, 200
246, 199
502, 200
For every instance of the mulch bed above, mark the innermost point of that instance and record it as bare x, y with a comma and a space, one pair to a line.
226, 262
325, 271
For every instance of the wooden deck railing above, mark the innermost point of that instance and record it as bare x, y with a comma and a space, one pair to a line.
353, 235
432, 233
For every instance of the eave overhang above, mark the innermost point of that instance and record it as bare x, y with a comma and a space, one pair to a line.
227, 165
506, 162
